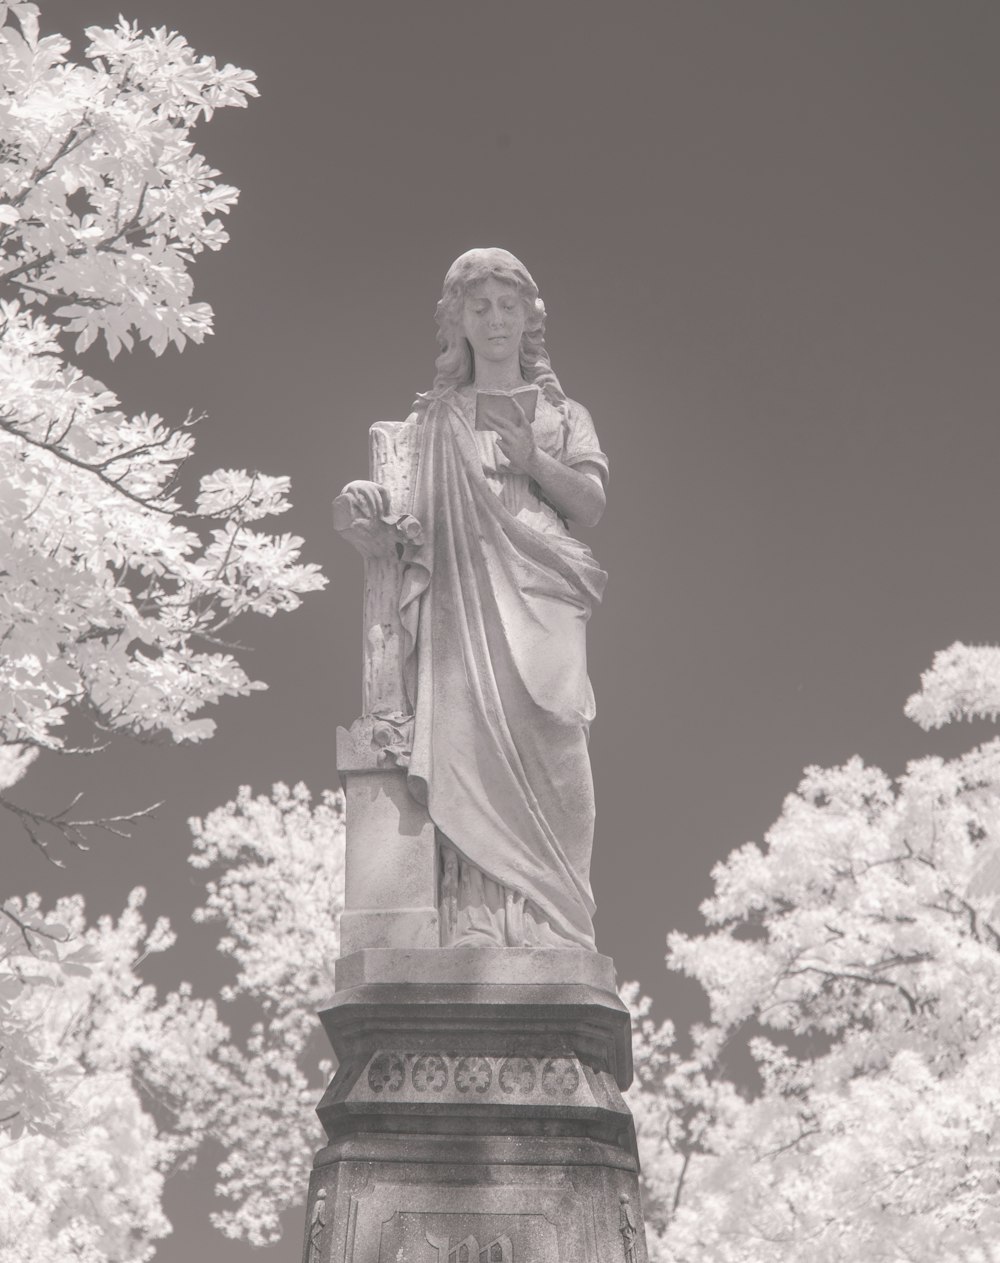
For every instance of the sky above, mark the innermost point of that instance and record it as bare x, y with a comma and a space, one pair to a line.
765, 235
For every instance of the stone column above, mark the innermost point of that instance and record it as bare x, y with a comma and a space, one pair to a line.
391, 866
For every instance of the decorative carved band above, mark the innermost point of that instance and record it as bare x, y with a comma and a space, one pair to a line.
474, 1075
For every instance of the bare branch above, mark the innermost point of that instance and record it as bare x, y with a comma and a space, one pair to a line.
791, 1144
51, 749
72, 831
847, 976
680, 1183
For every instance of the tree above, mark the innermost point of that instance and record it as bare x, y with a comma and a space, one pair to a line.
278, 898
116, 600
119, 588
106, 1089
86, 1047
858, 954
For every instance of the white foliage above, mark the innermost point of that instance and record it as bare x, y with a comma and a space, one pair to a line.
113, 597
105, 199
278, 898
859, 953
962, 683
114, 601
105, 1088
14, 762
87, 1048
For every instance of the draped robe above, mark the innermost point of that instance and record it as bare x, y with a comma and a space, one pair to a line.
494, 612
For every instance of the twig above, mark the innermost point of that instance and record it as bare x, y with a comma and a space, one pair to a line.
71, 830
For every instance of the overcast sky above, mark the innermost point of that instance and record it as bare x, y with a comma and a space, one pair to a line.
765, 234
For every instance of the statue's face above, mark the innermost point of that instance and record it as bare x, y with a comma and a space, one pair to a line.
493, 319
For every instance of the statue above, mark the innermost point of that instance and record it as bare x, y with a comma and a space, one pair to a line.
629, 1232
485, 699
317, 1223
480, 1073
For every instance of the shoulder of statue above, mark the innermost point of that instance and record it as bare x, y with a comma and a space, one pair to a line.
423, 403
578, 418
576, 409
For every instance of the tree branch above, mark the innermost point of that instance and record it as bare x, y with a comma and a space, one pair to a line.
75, 137
71, 831
27, 929
12, 428
680, 1183
845, 976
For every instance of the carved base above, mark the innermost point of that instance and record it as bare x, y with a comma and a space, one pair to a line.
476, 1123
421, 1200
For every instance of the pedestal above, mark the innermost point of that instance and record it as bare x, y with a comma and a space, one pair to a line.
390, 878
476, 1115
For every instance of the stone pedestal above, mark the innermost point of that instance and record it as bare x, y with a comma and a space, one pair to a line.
390, 878
476, 1115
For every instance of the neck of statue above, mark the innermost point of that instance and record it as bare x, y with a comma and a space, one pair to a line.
505, 375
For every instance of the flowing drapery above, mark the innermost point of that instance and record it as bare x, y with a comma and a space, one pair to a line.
494, 613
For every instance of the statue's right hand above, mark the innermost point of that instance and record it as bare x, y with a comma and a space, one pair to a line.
367, 499
361, 513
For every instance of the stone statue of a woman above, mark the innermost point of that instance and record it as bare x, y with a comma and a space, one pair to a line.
495, 597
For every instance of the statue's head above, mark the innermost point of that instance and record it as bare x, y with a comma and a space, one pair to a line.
455, 363
476, 265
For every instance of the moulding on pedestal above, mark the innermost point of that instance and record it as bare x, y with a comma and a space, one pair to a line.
477, 965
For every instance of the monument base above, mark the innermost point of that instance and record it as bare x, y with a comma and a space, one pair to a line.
476, 1122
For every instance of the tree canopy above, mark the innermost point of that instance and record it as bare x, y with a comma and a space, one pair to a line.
118, 589
856, 956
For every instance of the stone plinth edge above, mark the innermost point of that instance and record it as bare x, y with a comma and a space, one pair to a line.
509, 965
489, 1017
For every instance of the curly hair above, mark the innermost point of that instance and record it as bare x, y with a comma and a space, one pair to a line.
455, 365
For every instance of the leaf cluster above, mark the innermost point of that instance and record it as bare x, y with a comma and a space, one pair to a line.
117, 602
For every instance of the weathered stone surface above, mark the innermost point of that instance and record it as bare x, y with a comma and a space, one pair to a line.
388, 927
494, 1019
526, 1200
477, 596
390, 895
477, 964
482, 1114
380, 539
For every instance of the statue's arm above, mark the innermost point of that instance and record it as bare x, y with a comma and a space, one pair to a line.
576, 492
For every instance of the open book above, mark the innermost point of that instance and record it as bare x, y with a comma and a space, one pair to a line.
502, 402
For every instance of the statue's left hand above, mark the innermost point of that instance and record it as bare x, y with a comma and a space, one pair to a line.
515, 438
